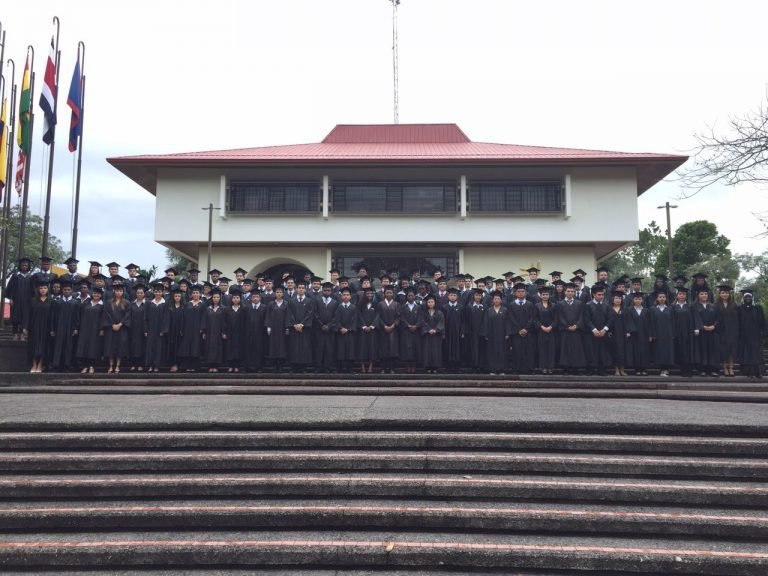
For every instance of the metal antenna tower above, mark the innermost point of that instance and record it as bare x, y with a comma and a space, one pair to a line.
395, 62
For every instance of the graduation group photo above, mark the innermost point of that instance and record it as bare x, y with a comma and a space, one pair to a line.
414, 321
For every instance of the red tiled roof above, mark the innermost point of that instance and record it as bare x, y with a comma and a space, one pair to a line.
430, 144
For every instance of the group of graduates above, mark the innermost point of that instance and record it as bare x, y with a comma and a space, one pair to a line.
497, 326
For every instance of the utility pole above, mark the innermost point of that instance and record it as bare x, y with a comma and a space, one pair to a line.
210, 209
395, 62
667, 206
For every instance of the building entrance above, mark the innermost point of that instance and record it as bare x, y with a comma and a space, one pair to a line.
381, 263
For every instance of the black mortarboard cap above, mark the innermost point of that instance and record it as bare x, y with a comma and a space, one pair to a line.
662, 277
316, 279
579, 272
40, 282
215, 271
597, 287
453, 290
171, 269
236, 270
724, 286
113, 264
158, 286
555, 273
98, 290
636, 280
602, 269
683, 289
193, 271
46, 259
700, 275
94, 263
345, 290
577, 279
327, 285
71, 260
532, 269
185, 281
542, 288
132, 266
25, 259
224, 279
570, 285
385, 276
558, 283
520, 286
334, 271
343, 278
540, 281
638, 295
680, 277
235, 291
508, 274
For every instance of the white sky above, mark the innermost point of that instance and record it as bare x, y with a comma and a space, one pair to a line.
177, 76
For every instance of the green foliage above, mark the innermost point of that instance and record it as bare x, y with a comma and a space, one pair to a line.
756, 265
644, 258
697, 242
33, 240
178, 261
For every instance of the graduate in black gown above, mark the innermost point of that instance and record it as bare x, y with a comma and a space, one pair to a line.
156, 320
389, 319
752, 330
432, 332
193, 325
453, 312
345, 326
138, 330
19, 293
324, 334
36, 327
728, 328
277, 311
90, 335
618, 333
682, 322
521, 313
175, 323
495, 331
255, 333
235, 323
410, 330
65, 320
705, 322
299, 321
570, 325
639, 325
544, 329
367, 332
473, 322
596, 320
213, 333
117, 323
662, 334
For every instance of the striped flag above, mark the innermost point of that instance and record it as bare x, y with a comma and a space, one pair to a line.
48, 97
23, 132
3, 147
75, 101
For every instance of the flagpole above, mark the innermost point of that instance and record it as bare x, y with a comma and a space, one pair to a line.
6, 235
27, 156
80, 45
52, 145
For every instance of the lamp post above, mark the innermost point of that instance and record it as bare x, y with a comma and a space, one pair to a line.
210, 209
668, 206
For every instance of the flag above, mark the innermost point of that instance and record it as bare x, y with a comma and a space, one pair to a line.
3, 147
23, 133
48, 97
75, 101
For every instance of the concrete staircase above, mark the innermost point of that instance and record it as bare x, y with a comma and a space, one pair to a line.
386, 498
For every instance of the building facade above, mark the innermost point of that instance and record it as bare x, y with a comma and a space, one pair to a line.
398, 196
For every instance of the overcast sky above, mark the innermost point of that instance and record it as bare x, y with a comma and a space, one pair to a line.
186, 76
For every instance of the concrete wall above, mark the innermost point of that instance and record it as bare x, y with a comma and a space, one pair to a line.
494, 261
259, 259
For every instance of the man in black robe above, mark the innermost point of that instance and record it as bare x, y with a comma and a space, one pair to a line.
682, 326
752, 330
570, 324
325, 337
453, 314
65, 320
596, 318
45, 274
345, 326
255, 333
299, 320
19, 293
72, 275
389, 320
521, 317
495, 331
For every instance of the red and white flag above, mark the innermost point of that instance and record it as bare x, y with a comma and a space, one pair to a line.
48, 97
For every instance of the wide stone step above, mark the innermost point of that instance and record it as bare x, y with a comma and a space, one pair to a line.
387, 485
372, 461
41, 516
299, 571
390, 549
380, 440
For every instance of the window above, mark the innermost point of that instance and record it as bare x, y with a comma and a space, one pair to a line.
535, 196
396, 198
255, 197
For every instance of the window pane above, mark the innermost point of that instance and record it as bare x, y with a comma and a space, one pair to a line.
423, 199
270, 197
544, 196
366, 199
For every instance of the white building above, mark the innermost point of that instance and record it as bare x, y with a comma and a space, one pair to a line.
398, 196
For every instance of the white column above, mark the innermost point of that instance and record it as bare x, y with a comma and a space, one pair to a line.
463, 197
327, 264
568, 205
223, 197
461, 260
326, 196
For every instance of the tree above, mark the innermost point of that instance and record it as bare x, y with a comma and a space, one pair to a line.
642, 258
697, 242
757, 265
33, 240
176, 260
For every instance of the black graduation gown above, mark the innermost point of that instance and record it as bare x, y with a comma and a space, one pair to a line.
521, 317
156, 320
193, 324
345, 317
389, 316
300, 343
752, 329
728, 331
138, 328
275, 321
571, 343
546, 343
410, 333
90, 340
255, 335
597, 350
324, 335
639, 325
454, 332
173, 339
37, 323
682, 325
706, 344
617, 335
663, 333
21, 291
475, 342
495, 331
367, 340
235, 323
117, 344
214, 335
65, 319
432, 344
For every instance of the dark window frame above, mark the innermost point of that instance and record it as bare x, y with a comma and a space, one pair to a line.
392, 198
254, 197
515, 197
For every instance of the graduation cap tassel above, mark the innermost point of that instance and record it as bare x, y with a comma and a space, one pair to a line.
28, 154
81, 59
51, 146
